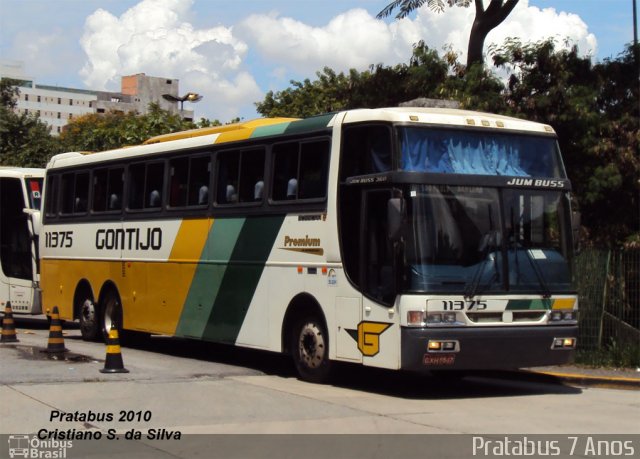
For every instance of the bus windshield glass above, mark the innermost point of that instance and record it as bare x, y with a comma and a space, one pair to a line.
478, 152
461, 240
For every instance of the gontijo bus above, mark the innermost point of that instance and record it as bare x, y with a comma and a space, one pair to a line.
401, 238
20, 196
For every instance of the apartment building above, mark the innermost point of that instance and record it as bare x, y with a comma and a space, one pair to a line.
57, 105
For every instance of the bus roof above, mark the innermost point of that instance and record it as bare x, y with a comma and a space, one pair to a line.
252, 124
446, 117
283, 126
11, 171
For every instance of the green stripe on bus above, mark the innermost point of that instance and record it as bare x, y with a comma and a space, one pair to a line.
264, 131
241, 278
207, 279
519, 305
315, 123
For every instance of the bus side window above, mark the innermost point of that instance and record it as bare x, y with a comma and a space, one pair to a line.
154, 184
365, 150
300, 170
51, 201
199, 173
100, 180
285, 168
251, 172
115, 188
178, 182
81, 195
75, 193
227, 178
146, 185
136, 186
314, 169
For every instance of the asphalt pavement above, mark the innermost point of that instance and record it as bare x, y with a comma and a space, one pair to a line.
573, 374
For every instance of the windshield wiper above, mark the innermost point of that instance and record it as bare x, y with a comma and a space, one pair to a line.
546, 292
489, 241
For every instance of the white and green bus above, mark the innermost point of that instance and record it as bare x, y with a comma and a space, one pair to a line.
400, 238
20, 196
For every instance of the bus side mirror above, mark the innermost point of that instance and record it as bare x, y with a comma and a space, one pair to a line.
396, 213
35, 220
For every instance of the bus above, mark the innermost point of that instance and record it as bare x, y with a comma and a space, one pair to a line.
402, 238
20, 197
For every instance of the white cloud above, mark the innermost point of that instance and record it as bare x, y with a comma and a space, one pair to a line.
351, 39
528, 23
153, 38
355, 39
232, 66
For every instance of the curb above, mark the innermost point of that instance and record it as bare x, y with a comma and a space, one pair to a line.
617, 382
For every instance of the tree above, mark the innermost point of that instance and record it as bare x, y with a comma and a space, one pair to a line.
25, 141
98, 132
595, 111
484, 21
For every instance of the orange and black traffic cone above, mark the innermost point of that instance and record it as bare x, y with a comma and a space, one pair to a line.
113, 362
8, 327
55, 345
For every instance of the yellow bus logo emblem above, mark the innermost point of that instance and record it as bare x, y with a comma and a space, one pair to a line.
369, 337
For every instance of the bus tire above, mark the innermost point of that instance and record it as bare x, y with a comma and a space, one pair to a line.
310, 349
111, 313
89, 318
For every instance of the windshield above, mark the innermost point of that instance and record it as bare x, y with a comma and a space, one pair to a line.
479, 152
461, 240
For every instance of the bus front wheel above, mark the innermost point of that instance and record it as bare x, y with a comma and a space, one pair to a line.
89, 320
310, 350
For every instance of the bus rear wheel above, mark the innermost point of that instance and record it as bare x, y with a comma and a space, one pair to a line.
89, 320
112, 313
310, 350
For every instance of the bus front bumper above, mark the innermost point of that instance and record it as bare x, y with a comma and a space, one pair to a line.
486, 348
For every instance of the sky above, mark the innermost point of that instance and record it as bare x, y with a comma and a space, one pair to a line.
233, 51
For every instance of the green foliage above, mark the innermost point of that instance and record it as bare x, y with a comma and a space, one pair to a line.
25, 141
98, 132
613, 355
595, 111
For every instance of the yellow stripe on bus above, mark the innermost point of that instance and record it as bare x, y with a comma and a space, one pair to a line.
563, 303
190, 240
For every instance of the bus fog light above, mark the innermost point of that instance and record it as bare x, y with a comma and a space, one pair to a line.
564, 343
448, 346
415, 318
434, 318
436, 345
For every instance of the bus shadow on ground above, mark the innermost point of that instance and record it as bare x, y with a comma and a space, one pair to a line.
444, 385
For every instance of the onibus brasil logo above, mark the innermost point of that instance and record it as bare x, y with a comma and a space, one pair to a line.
30, 446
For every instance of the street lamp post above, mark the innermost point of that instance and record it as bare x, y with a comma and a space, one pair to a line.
188, 97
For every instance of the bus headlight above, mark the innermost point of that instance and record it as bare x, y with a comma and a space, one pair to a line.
434, 318
561, 315
449, 317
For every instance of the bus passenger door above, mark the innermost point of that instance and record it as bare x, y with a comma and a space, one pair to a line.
379, 331
16, 257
